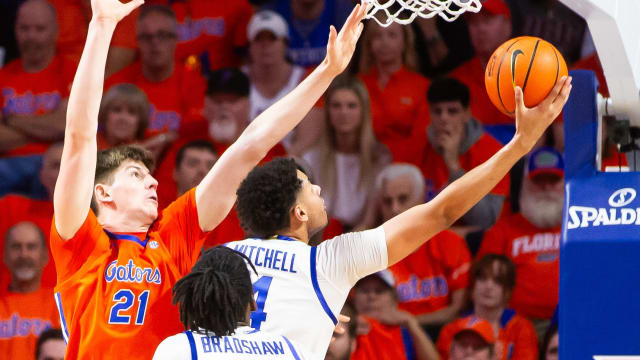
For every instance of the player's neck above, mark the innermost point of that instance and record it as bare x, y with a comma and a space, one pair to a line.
25, 287
299, 234
490, 314
121, 223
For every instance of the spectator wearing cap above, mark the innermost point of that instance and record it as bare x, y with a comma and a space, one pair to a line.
456, 143
488, 29
387, 332
493, 278
531, 238
469, 338
272, 75
175, 93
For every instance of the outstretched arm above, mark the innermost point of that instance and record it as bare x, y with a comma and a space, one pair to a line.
74, 187
407, 231
216, 194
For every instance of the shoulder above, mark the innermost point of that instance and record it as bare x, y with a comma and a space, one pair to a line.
13, 67
174, 347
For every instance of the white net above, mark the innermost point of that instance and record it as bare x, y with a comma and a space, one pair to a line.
386, 12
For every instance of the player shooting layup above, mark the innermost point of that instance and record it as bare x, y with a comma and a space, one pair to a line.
300, 289
116, 257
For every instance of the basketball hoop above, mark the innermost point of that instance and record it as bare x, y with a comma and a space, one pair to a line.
385, 12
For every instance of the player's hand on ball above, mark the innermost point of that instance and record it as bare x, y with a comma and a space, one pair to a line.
113, 10
341, 45
531, 123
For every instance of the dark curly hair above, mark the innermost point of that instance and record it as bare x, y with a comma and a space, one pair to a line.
215, 295
266, 196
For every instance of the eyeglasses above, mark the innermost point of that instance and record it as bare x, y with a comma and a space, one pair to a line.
160, 35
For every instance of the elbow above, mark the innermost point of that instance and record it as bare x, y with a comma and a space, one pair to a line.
250, 149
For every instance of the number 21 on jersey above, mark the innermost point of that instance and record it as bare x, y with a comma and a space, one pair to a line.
124, 299
261, 286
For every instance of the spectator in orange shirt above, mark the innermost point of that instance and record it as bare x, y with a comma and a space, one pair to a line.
488, 29
531, 238
399, 109
456, 143
175, 93
35, 87
493, 278
26, 308
431, 282
50, 345
347, 158
375, 298
473, 338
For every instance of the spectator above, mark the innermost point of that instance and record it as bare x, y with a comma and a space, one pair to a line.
26, 308
16, 208
531, 238
375, 298
348, 157
272, 76
399, 109
488, 29
193, 162
456, 143
550, 344
343, 344
431, 283
472, 339
50, 345
492, 281
175, 93
124, 116
35, 87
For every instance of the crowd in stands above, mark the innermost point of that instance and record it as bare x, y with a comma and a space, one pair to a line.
409, 116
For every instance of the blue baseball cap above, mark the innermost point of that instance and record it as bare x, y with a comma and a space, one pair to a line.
545, 160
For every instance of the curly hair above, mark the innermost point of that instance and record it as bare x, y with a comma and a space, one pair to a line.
266, 195
215, 295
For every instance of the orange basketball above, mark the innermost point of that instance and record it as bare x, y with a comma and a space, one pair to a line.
529, 62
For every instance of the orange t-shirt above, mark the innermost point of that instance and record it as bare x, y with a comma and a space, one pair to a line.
399, 111
23, 93
73, 24
436, 173
535, 252
217, 27
172, 101
22, 318
15, 209
471, 73
382, 342
426, 278
114, 291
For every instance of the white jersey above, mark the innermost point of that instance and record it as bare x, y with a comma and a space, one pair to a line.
300, 289
246, 343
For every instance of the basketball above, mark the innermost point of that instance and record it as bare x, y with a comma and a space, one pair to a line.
529, 62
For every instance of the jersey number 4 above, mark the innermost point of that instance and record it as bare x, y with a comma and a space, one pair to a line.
262, 288
124, 300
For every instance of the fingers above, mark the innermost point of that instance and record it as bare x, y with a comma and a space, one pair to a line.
519, 99
332, 39
353, 17
555, 91
132, 5
343, 318
564, 92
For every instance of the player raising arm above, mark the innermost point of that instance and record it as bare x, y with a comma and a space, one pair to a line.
116, 256
300, 289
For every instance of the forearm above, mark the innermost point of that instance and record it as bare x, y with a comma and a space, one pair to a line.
439, 317
11, 139
423, 346
485, 212
45, 127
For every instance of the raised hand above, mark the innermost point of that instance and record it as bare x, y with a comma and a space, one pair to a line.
341, 45
532, 123
113, 10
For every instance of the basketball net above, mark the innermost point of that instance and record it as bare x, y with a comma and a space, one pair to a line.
386, 12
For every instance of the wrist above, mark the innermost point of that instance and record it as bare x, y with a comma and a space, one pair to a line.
103, 24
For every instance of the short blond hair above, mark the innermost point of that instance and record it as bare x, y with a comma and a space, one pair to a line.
131, 96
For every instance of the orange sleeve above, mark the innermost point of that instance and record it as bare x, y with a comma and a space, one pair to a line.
69, 255
444, 341
526, 340
493, 241
457, 260
180, 231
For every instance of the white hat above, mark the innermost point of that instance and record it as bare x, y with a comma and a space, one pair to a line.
267, 20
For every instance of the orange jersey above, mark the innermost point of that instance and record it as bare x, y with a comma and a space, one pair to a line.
22, 318
172, 100
471, 73
23, 93
516, 340
15, 209
217, 27
436, 173
399, 111
535, 252
426, 278
382, 342
114, 290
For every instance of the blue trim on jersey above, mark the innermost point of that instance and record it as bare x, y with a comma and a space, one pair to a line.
282, 237
293, 350
127, 237
316, 286
63, 321
407, 340
192, 344
507, 315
